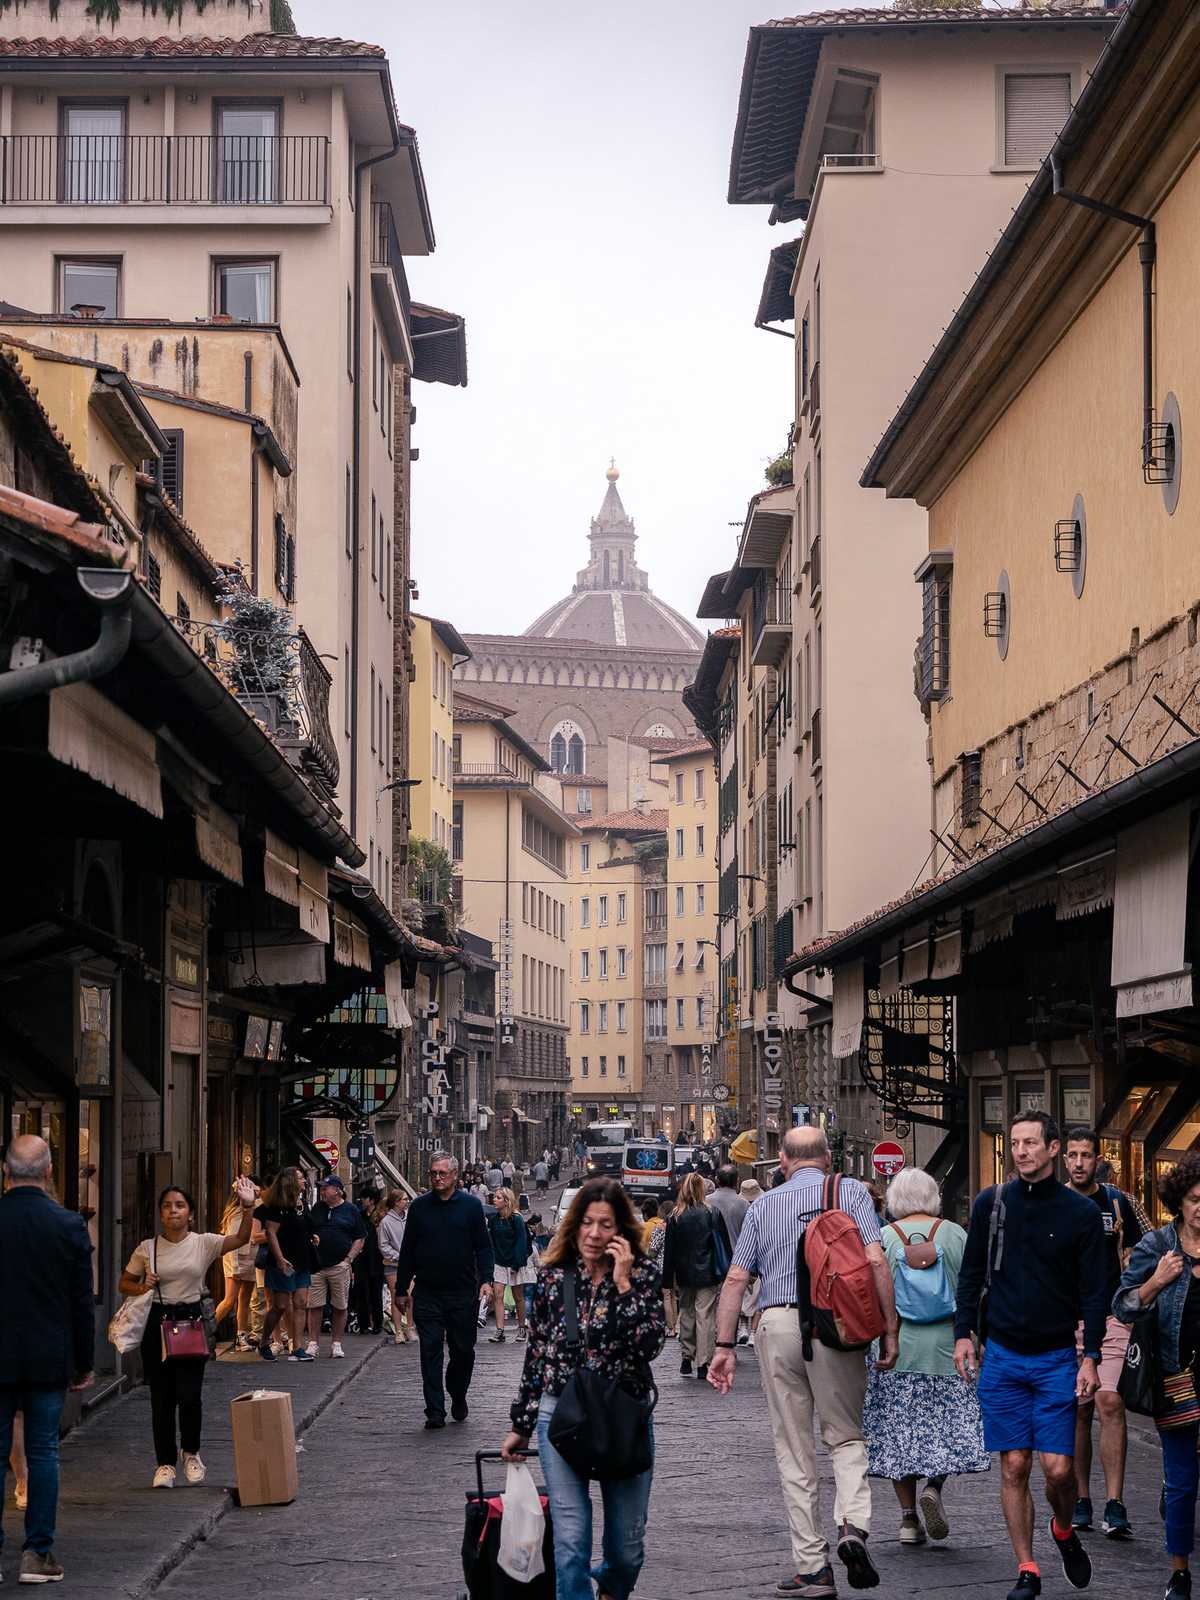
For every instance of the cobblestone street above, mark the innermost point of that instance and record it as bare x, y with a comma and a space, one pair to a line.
379, 1516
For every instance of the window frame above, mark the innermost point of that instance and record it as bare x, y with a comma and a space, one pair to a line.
84, 259
1037, 69
218, 263
91, 103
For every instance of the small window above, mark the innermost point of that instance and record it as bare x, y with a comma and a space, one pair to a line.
620, 1066
700, 841
245, 290
622, 904
585, 912
154, 577
172, 466
583, 802
602, 911
585, 1016
89, 288
583, 1063
280, 555
678, 841
603, 972
621, 958
1036, 104
679, 788
679, 901
585, 965
604, 1066
585, 857
699, 899
373, 709
970, 765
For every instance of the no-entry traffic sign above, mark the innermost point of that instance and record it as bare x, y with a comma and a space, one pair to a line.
887, 1158
328, 1149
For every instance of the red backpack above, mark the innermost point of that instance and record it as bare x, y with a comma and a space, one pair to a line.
834, 1280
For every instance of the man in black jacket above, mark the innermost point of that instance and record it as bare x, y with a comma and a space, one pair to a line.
47, 1335
1033, 1268
447, 1250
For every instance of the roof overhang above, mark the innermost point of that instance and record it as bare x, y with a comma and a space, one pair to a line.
767, 529
776, 303
1122, 143
439, 340
124, 413
723, 593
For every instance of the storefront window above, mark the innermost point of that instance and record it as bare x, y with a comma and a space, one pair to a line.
95, 1033
709, 1115
1122, 1141
668, 1121
90, 1149
1183, 1141
991, 1135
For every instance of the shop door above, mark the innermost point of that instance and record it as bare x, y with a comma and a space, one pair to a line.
184, 1142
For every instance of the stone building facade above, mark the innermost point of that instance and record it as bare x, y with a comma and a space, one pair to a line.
608, 660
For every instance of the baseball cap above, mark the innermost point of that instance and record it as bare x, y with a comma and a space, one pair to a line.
332, 1181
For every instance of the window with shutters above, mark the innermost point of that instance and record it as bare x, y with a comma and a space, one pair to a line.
970, 780
280, 555
933, 648
172, 466
154, 577
1035, 106
290, 591
183, 611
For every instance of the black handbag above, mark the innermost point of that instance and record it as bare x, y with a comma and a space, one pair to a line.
599, 1428
1140, 1383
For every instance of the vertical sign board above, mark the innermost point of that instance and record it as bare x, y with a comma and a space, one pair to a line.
435, 1083
507, 1027
772, 1070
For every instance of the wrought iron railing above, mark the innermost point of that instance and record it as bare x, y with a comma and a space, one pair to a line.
282, 681
814, 569
385, 251
138, 169
772, 606
483, 769
656, 922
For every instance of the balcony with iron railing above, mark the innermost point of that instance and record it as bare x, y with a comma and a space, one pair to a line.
772, 622
814, 570
483, 769
158, 169
656, 922
388, 278
281, 680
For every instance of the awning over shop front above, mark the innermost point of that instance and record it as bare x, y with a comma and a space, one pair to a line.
351, 941
290, 874
848, 1005
1149, 972
393, 986
281, 869
87, 732
278, 963
217, 843
314, 897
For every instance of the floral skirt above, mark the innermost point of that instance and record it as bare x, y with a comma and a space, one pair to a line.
919, 1425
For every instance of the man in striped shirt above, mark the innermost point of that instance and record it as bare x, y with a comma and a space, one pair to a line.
767, 1250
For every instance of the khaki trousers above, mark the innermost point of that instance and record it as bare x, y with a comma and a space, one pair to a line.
698, 1323
792, 1386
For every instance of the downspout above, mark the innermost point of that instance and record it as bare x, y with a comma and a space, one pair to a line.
254, 558
112, 593
1147, 252
356, 468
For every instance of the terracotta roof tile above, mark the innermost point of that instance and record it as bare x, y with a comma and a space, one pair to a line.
273, 45
629, 822
43, 516
693, 747
872, 16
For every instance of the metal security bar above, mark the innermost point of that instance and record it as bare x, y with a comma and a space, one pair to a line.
107, 169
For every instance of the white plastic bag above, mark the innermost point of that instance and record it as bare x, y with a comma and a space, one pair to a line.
129, 1322
522, 1527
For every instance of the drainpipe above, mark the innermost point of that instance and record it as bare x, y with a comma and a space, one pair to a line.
1147, 251
356, 468
111, 592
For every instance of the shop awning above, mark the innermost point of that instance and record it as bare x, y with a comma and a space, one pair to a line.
291, 875
1149, 972
217, 843
744, 1148
393, 986
848, 1002
314, 897
281, 869
351, 942
279, 963
89, 733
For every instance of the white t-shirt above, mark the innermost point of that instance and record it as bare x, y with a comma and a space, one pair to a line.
181, 1267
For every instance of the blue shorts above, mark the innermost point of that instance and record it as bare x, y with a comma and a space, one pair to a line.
285, 1282
1028, 1402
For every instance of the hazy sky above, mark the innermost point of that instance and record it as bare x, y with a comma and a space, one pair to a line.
577, 158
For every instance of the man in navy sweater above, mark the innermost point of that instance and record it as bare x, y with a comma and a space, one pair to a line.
1033, 1268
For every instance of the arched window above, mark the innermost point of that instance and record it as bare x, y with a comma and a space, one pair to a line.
658, 730
568, 750
575, 754
558, 753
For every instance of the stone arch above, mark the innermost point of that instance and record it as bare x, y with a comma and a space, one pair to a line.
607, 681
653, 716
563, 677
593, 678
580, 721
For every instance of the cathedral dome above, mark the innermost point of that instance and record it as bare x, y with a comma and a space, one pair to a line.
611, 603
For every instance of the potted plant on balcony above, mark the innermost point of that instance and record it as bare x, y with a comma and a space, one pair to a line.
779, 471
261, 656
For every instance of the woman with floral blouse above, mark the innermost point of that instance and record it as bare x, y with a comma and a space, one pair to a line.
621, 1330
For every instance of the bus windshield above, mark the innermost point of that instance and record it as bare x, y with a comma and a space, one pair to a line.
606, 1134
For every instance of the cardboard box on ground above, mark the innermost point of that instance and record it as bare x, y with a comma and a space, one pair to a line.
264, 1448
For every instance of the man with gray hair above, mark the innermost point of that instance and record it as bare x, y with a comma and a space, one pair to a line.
47, 1335
448, 1252
833, 1384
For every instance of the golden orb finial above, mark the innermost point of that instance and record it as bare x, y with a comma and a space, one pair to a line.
613, 472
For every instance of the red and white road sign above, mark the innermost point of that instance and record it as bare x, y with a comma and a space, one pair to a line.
328, 1149
887, 1158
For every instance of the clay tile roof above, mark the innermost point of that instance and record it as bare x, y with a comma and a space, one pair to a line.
470, 708
273, 45
693, 747
628, 822
42, 516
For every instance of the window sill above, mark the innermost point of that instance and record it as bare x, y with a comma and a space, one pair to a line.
1000, 170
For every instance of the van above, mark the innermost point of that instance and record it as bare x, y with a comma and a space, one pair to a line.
648, 1169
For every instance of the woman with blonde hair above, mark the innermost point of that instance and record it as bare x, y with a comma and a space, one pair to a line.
921, 1420
392, 1214
238, 1267
691, 1267
511, 1249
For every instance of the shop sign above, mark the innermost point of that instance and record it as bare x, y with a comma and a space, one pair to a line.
185, 968
95, 1033
887, 1158
258, 1033
329, 1150
221, 1030
706, 1060
508, 1032
435, 1085
772, 1059
576, 1111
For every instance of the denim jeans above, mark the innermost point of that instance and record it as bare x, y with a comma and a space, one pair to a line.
625, 1504
42, 1409
1182, 1474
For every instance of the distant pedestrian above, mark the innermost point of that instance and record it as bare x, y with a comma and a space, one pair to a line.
367, 1280
690, 1267
654, 1241
555, 1166
541, 1175
172, 1265
1122, 1230
391, 1237
619, 1310
47, 1336
494, 1177
726, 1201
238, 1267
1162, 1273
287, 1275
833, 1383
511, 1251
921, 1419
445, 1257
1037, 1249
339, 1236
508, 1171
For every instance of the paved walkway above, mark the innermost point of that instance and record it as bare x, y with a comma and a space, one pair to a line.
379, 1516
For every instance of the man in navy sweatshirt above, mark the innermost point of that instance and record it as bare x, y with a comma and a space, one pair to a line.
1033, 1268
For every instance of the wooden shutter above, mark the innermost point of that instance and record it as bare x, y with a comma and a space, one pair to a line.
172, 466
1036, 105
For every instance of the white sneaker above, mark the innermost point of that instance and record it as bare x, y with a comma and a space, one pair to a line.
194, 1469
164, 1478
337, 1353
312, 1347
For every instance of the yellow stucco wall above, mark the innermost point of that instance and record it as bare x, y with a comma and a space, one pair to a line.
622, 930
431, 714
695, 874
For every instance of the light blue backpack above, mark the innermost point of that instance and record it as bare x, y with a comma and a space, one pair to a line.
923, 1290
